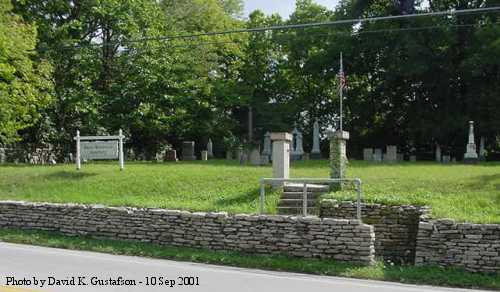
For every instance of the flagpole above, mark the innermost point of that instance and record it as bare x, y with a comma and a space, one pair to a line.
341, 90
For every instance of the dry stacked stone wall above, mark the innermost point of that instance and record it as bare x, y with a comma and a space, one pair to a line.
474, 247
309, 237
396, 227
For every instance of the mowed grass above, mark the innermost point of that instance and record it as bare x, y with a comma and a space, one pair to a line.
463, 192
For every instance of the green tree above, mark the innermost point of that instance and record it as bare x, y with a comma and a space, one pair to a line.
25, 84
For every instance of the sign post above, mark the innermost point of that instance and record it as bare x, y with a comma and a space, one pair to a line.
99, 148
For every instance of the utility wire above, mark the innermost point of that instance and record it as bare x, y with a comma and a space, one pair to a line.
302, 26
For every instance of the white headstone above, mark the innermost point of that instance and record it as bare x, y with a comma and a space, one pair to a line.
316, 151
368, 154
438, 153
210, 148
470, 155
204, 155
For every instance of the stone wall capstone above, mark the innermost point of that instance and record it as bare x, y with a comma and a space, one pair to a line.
309, 237
474, 247
396, 227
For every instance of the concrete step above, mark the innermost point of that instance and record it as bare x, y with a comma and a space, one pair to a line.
295, 203
297, 187
299, 195
296, 211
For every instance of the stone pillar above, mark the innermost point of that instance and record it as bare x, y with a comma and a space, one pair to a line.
281, 155
316, 151
210, 146
338, 156
470, 155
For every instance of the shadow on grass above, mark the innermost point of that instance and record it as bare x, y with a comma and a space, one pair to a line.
479, 182
244, 198
70, 175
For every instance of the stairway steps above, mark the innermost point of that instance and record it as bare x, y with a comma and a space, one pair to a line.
295, 203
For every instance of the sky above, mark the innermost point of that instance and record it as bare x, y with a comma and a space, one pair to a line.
283, 7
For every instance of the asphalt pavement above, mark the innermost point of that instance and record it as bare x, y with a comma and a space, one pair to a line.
32, 268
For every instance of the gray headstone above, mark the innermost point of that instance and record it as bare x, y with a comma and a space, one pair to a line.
446, 158
229, 154
368, 154
2, 155
401, 157
239, 153
316, 151
188, 151
264, 159
267, 145
298, 149
243, 158
413, 158
482, 150
171, 155
255, 158
438, 153
210, 147
377, 155
204, 155
391, 153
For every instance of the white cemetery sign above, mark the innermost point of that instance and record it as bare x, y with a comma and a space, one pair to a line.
99, 148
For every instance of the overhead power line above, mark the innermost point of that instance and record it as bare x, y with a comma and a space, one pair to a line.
329, 23
300, 26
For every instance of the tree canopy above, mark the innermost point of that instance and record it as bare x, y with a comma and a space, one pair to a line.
101, 65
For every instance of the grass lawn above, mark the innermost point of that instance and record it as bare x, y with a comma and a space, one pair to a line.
463, 192
405, 274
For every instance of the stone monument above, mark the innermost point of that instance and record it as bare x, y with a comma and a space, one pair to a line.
438, 153
281, 156
338, 156
470, 155
298, 149
188, 151
391, 154
267, 146
210, 147
229, 154
316, 151
204, 155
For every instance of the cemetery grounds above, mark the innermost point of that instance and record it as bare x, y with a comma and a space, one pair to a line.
462, 192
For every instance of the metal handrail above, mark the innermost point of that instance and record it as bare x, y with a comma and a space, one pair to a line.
305, 181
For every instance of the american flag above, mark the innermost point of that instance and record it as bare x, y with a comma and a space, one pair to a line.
342, 79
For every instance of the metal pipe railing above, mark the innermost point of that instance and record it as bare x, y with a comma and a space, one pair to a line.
305, 181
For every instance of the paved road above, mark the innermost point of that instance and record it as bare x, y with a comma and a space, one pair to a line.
27, 262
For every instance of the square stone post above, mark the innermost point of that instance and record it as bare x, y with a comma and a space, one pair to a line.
281, 156
338, 156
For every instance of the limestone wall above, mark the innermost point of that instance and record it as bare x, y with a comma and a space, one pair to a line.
310, 237
475, 247
396, 227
